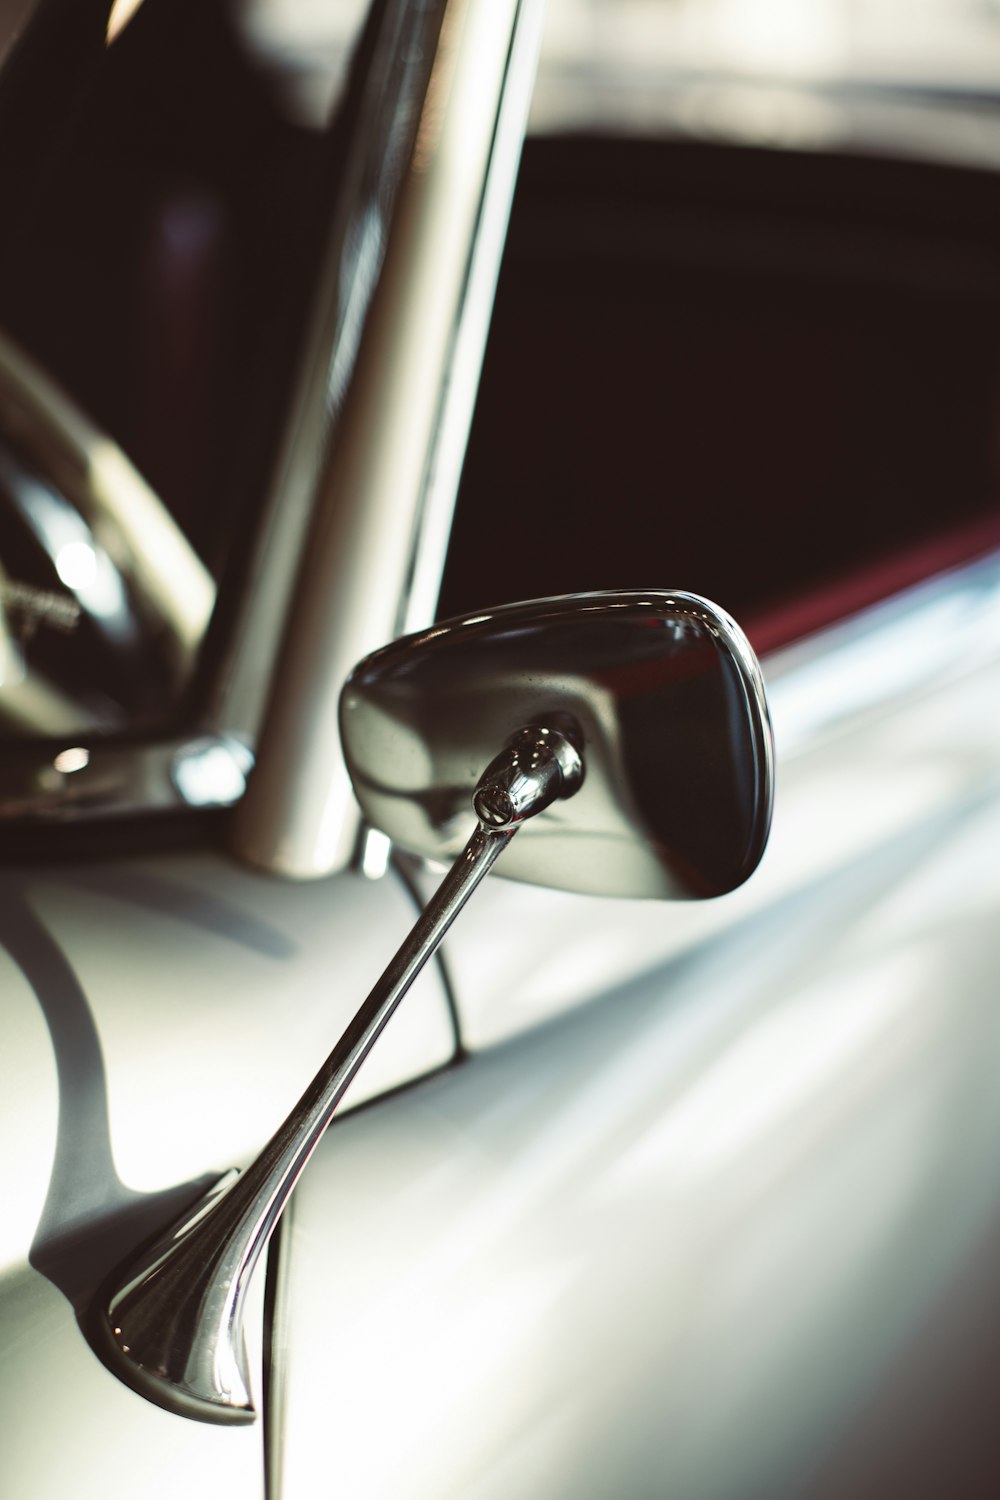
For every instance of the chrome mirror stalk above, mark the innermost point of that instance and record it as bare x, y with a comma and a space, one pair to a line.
660, 693
172, 1328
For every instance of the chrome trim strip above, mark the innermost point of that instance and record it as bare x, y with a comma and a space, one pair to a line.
462, 384
299, 816
369, 198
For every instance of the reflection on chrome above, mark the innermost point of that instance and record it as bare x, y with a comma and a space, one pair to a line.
83, 566
376, 851
212, 772
77, 758
121, 13
76, 564
680, 814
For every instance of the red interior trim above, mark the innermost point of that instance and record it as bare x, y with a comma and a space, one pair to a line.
801, 616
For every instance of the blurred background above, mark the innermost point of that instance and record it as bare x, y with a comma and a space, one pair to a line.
746, 330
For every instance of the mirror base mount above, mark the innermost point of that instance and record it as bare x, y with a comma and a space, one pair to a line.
172, 1325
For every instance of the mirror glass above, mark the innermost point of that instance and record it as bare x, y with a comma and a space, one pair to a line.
664, 695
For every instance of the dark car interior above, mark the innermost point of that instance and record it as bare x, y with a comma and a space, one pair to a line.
771, 377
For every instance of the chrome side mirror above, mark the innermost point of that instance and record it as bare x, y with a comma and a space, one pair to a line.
662, 696
621, 738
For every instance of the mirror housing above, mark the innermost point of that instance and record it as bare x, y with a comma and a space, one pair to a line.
660, 692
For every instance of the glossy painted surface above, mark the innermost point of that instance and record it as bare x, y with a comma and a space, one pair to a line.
660, 691
726, 1233
880, 723
170, 1321
72, 1428
708, 1235
138, 1063
727, 1230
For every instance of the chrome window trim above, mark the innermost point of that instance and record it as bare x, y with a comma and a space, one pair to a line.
447, 456
375, 530
375, 172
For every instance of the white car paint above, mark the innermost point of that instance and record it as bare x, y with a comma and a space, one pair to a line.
188, 1003
677, 1242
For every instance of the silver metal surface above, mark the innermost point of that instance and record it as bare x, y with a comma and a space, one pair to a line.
369, 202
666, 695
537, 767
299, 815
458, 394
174, 1328
896, 653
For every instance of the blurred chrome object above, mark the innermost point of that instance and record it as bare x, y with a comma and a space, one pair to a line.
380, 531
398, 317
80, 778
537, 765
667, 695
663, 738
104, 603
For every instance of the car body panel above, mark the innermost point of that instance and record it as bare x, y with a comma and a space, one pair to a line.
705, 1235
159, 1055
882, 723
701, 1199
71, 1428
